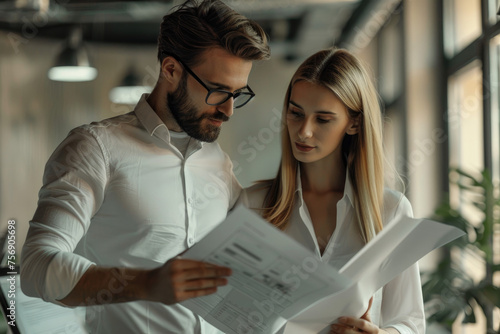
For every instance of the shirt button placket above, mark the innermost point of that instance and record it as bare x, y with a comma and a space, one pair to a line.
190, 206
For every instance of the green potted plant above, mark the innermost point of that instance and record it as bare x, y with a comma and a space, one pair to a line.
448, 290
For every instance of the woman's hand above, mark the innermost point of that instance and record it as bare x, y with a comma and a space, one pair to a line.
350, 325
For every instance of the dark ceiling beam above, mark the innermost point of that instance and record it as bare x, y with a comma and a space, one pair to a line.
120, 33
369, 12
354, 21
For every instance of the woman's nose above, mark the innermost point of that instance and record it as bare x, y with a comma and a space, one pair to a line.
306, 130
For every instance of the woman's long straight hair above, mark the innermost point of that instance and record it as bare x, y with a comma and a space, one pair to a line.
342, 73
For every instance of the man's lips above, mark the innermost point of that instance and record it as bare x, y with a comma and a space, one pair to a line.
217, 118
303, 148
216, 122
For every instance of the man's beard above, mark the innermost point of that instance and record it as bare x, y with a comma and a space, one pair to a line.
185, 115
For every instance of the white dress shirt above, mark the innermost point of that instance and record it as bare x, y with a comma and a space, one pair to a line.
399, 303
118, 193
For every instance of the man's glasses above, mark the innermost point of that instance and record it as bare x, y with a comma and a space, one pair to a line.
216, 97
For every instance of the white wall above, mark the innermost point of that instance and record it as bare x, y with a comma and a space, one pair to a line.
252, 137
425, 133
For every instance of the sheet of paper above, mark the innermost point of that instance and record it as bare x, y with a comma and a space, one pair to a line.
397, 247
33, 315
275, 278
273, 275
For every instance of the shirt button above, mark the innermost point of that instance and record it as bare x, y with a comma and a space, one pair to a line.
190, 240
190, 201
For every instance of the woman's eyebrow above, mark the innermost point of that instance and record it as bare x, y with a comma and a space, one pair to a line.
295, 104
325, 112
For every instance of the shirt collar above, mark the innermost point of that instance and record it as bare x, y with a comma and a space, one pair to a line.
147, 116
348, 188
299, 186
348, 192
150, 120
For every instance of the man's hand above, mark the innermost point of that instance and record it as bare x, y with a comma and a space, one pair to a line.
350, 325
180, 279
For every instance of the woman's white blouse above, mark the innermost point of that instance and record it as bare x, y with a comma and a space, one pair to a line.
399, 304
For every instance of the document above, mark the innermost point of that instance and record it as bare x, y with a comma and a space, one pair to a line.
275, 279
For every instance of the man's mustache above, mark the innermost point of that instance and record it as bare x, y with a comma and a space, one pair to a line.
218, 116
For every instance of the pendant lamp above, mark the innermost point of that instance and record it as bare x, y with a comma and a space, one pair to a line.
73, 63
130, 89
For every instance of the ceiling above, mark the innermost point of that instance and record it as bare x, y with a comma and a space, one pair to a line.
295, 27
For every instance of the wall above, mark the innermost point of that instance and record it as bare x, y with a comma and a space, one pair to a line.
426, 135
252, 137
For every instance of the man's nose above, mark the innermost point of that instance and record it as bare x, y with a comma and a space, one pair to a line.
227, 107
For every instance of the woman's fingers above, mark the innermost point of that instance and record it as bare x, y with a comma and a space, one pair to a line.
349, 325
366, 316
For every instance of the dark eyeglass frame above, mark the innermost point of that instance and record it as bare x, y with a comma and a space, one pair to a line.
250, 92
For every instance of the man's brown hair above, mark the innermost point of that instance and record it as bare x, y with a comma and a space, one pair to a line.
194, 27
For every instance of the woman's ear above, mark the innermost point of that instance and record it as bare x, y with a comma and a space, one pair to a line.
353, 127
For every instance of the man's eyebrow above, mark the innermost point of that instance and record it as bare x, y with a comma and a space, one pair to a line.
325, 112
223, 86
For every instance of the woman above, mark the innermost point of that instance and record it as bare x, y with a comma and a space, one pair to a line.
329, 192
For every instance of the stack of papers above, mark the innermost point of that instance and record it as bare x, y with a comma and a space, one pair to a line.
275, 279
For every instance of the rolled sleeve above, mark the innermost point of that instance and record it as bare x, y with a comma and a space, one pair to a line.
74, 181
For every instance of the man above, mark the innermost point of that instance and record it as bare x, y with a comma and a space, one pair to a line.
122, 197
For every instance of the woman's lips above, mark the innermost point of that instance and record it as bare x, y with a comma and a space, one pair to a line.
303, 148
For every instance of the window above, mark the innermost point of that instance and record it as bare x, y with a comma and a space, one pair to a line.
465, 118
493, 7
473, 120
462, 24
465, 127
495, 139
494, 89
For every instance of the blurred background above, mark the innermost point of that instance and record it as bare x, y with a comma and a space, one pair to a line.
435, 64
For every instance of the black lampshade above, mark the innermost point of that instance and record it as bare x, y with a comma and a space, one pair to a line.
73, 63
129, 90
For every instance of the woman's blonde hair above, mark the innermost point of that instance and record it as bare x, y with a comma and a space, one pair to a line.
342, 73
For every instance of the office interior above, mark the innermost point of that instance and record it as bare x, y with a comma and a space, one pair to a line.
435, 63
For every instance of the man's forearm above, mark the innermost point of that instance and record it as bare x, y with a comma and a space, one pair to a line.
109, 285
173, 282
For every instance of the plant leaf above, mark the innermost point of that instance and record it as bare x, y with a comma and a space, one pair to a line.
469, 187
491, 294
469, 316
481, 206
475, 180
448, 291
